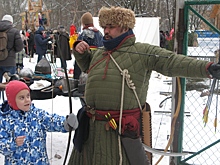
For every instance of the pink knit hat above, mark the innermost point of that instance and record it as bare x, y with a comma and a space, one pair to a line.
12, 89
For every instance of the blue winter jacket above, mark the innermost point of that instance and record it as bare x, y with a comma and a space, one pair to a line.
41, 42
33, 124
92, 36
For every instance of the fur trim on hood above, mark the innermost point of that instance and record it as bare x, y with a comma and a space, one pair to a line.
122, 17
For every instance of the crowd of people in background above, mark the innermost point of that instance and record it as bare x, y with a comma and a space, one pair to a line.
32, 41
37, 41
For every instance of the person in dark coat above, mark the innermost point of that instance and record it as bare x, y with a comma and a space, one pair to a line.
62, 48
31, 43
14, 45
41, 43
162, 39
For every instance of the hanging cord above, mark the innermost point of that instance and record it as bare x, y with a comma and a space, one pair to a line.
173, 122
52, 96
120, 118
128, 81
51, 145
125, 76
53, 82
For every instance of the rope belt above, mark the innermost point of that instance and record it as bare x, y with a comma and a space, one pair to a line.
129, 118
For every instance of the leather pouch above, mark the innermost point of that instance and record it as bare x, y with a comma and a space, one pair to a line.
82, 132
134, 151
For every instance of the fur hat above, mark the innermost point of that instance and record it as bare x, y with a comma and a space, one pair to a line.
122, 17
12, 89
87, 18
7, 18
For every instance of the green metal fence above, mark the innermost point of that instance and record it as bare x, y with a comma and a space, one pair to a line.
202, 41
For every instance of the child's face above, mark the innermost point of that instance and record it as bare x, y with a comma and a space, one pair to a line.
23, 100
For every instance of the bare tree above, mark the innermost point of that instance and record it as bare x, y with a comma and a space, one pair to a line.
195, 21
67, 12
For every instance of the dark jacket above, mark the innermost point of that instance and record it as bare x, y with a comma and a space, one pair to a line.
92, 36
62, 48
31, 39
41, 43
15, 43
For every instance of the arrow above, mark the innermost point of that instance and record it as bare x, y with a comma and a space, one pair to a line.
209, 101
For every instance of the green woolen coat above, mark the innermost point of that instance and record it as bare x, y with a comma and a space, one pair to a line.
104, 86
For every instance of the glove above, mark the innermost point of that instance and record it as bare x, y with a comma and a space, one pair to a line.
214, 70
71, 122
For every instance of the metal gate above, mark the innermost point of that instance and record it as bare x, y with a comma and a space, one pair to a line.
202, 41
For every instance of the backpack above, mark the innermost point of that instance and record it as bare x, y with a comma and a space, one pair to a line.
88, 35
3, 45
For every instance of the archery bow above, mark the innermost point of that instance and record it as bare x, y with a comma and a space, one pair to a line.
69, 95
173, 122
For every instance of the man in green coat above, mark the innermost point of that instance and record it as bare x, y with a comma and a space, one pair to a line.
117, 84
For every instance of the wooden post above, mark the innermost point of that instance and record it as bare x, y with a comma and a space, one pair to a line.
178, 48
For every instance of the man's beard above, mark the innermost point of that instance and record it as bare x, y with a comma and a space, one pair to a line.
108, 37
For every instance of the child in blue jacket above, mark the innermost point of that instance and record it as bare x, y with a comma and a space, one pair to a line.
23, 127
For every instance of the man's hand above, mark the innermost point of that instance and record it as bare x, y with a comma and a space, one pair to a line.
214, 70
81, 47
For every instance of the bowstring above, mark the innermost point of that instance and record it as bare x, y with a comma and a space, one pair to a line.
52, 94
